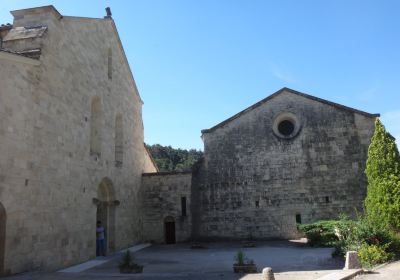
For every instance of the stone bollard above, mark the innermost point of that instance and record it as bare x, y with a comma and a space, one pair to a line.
267, 274
352, 260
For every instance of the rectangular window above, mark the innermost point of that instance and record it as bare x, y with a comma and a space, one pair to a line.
327, 199
298, 218
183, 206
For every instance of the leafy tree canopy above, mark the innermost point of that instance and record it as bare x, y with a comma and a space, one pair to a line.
170, 159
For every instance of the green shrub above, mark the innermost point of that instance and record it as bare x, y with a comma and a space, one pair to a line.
321, 233
394, 246
353, 234
127, 260
374, 242
240, 257
371, 255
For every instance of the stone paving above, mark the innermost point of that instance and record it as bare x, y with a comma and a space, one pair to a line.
289, 261
387, 272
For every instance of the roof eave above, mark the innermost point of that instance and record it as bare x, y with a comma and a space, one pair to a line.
259, 103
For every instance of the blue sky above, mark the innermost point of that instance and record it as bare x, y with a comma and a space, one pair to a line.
197, 63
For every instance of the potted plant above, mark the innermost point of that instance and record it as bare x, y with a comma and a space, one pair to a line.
127, 265
243, 265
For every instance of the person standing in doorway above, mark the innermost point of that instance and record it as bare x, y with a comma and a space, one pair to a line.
100, 239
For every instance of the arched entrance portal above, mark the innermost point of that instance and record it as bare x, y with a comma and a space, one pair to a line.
169, 228
2, 237
106, 204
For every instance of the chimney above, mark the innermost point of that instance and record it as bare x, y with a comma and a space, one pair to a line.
108, 13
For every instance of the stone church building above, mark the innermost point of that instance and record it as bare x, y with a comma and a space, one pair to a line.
290, 158
72, 153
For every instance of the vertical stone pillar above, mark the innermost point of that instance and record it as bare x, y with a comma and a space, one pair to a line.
267, 274
352, 260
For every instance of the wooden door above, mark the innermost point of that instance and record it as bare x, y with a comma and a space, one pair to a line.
170, 232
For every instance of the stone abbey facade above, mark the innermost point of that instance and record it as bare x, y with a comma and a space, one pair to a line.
290, 158
71, 135
72, 153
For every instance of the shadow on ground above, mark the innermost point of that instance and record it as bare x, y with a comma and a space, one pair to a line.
289, 260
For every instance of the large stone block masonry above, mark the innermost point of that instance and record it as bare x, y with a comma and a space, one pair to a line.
58, 167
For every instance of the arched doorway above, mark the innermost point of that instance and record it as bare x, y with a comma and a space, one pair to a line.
2, 237
169, 228
106, 211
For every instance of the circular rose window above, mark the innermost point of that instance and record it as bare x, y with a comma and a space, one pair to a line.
286, 125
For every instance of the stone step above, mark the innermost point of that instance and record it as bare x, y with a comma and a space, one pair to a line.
342, 275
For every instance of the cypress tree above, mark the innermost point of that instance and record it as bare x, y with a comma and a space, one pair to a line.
383, 172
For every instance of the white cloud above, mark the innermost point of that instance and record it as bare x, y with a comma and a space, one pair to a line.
279, 72
391, 120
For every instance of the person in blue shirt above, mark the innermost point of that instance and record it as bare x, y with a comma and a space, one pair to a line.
100, 239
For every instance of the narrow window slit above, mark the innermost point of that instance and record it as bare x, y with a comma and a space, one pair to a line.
183, 206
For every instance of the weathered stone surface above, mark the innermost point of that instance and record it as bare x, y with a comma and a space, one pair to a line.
253, 183
72, 151
267, 274
352, 260
48, 176
161, 197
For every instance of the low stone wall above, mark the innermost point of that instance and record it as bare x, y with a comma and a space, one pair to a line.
163, 196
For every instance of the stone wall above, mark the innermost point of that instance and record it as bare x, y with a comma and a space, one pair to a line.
49, 180
161, 198
253, 184
149, 164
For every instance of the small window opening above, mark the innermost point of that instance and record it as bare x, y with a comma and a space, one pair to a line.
96, 127
119, 141
298, 218
286, 127
110, 64
327, 200
257, 204
183, 206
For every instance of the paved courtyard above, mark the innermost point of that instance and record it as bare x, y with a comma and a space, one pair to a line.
288, 259
387, 272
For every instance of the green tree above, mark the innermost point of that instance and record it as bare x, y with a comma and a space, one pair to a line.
383, 172
170, 159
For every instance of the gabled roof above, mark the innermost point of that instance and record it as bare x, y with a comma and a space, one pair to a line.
285, 89
119, 45
38, 31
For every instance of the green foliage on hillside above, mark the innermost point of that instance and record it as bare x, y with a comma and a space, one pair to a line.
170, 159
383, 172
